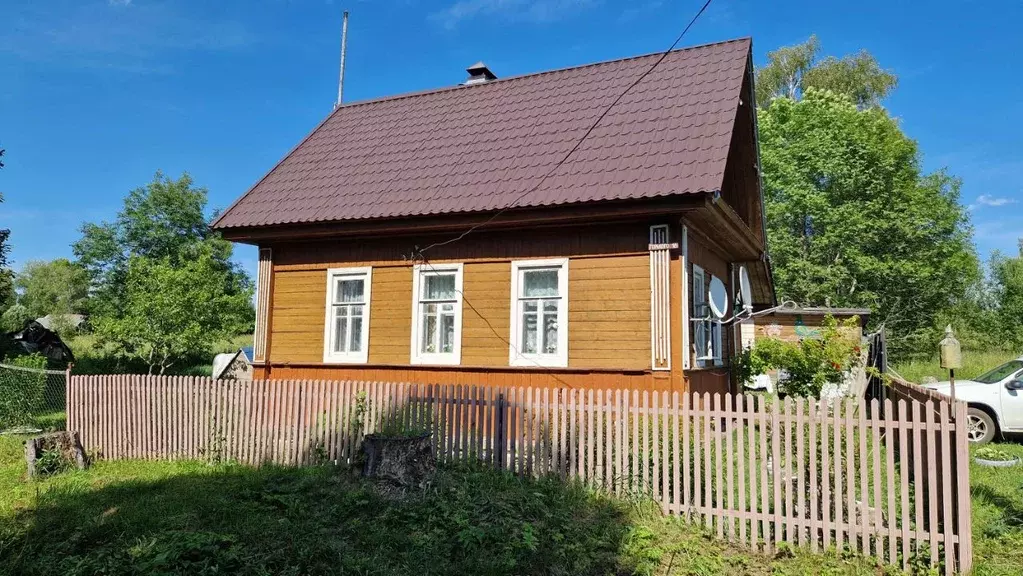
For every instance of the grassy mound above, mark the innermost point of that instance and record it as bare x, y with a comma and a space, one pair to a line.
191, 518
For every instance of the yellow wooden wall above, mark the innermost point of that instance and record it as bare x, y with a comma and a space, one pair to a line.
608, 314
609, 309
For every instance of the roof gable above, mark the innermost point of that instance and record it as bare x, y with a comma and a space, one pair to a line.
481, 147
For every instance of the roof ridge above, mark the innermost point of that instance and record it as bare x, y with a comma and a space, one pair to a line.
430, 91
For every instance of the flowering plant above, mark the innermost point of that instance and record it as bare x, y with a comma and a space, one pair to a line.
810, 363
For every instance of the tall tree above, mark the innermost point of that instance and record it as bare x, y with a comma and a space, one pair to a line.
852, 220
58, 287
1007, 290
791, 70
174, 310
164, 220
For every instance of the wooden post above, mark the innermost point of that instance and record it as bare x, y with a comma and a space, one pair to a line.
500, 430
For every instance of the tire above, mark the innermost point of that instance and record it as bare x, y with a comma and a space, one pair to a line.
982, 427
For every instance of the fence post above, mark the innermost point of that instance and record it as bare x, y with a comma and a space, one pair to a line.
500, 443
69, 415
962, 486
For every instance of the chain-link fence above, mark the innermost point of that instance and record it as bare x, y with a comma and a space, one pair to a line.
31, 398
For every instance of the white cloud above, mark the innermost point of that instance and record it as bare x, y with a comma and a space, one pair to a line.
988, 200
528, 10
119, 2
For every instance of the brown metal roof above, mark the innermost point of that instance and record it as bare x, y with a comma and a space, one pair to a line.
480, 147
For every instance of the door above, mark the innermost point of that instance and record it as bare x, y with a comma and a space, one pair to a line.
1012, 404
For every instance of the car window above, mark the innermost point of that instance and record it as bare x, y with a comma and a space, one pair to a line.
1000, 373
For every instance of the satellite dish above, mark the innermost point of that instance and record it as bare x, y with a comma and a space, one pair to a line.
718, 298
745, 294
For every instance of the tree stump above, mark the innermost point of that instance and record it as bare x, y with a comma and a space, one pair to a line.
407, 461
65, 444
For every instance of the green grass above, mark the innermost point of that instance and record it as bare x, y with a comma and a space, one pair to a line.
997, 497
192, 518
94, 357
974, 364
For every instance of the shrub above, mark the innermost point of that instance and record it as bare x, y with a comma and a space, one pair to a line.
810, 364
14, 318
21, 391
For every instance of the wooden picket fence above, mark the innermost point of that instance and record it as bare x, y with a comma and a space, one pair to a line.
846, 474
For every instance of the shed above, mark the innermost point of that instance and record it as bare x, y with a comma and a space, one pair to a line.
234, 366
794, 324
797, 323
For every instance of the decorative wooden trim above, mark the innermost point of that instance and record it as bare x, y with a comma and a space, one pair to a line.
660, 297
686, 352
264, 285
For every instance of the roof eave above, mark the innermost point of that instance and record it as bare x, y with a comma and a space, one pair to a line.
537, 216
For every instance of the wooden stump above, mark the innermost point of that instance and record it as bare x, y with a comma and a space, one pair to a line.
404, 461
65, 444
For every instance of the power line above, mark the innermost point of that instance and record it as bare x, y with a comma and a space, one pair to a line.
418, 255
512, 345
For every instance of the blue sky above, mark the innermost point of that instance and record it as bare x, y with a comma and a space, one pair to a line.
97, 95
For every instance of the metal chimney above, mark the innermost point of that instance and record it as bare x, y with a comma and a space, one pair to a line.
479, 73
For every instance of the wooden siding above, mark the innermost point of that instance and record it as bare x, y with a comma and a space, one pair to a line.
713, 378
608, 306
794, 327
486, 324
475, 375
741, 186
609, 314
299, 305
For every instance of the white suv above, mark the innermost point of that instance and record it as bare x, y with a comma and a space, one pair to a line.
995, 400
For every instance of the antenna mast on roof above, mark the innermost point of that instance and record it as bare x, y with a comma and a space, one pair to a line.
344, 46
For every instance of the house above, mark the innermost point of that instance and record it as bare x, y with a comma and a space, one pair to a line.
416, 238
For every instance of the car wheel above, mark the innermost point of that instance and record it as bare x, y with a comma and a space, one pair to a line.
981, 427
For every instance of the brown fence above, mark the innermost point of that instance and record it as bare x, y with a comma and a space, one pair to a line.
754, 471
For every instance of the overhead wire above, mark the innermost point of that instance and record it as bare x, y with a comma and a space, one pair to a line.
418, 254
511, 344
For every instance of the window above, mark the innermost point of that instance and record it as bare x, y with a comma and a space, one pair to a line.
1000, 373
706, 328
346, 334
539, 309
437, 314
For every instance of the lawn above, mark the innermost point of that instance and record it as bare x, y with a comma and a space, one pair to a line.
94, 357
974, 364
193, 518
997, 496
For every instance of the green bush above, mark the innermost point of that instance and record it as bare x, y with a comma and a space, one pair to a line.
21, 391
14, 318
810, 363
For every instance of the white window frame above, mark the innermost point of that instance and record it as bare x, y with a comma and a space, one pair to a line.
453, 358
362, 356
517, 357
711, 325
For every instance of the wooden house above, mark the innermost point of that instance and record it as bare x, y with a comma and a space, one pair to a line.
518, 231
